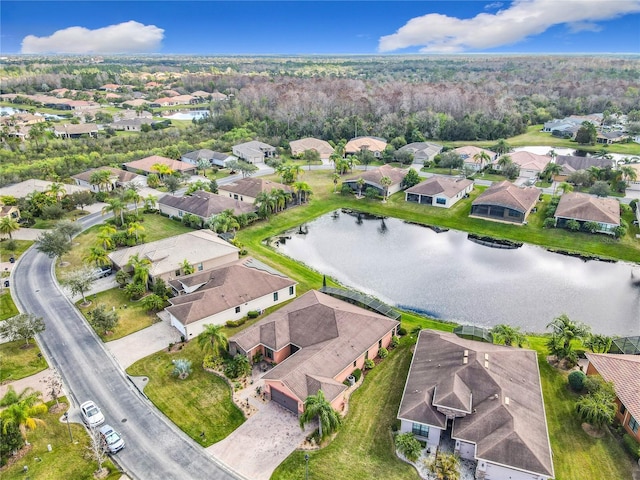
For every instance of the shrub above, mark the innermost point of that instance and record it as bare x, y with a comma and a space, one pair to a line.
346, 189
371, 193
235, 323
402, 331
576, 381
383, 352
369, 364
253, 314
357, 373
52, 212
181, 368
573, 225
394, 342
211, 361
409, 446
631, 445
549, 222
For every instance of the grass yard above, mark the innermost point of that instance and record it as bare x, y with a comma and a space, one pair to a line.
66, 459
363, 447
20, 247
133, 316
199, 404
17, 362
8, 309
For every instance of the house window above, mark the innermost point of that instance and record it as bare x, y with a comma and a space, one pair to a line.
235, 197
200, 267
241, 198
441, 201
268, 353
633, 425
180, 213
622, 409
275, 296
366, 355
355, 363
291, 290
177, 272
380, 343
420, 430
237, 309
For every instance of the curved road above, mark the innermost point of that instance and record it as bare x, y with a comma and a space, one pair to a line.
156, 449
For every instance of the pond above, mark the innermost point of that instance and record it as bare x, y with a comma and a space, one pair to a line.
188, 115
447, 276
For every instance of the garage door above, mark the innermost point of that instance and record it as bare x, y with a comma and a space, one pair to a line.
285, 400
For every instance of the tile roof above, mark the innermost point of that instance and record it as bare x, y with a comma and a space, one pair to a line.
506, 194
624, 372
580, 206
196, 155
146, 164
421, 150
373, 144
581, 163
224, 288
78, 129
122, 176
253, 186
167, 254
373, 176
448, 187
497, 392
330, 333
469, 151
204, 204
530, 161
321, 146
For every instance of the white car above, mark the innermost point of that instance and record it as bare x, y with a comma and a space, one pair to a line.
111, 439
91, 414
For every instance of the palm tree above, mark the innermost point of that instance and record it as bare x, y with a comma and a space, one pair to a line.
360, 182
223, 222
265, 203
97, 255
565, 330
551, 170
301, 188
21, 410
565, 187
594, 172
131, 195
317, 406
186, 267
336, 178
598, 343
481, 157
280, 198
446, 466
56, 190
597, 409
162, 169
150, 202
353, 161
115, 206
213, 339
341, 165
629, 174
140, 267
100, 178
501, 147
135, 228
508, 335
8, 225
105, 236
504, 160
386, 183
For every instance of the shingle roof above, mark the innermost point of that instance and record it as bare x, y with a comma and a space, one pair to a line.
510, 432
373, 144
254, 147
624, 372
146, 164
224, 288
421, 150
530, 161
167, 254
446, 186
196, 155
253, 186
79, 129
581, 163
321, 146
469, 151
506, 194
373, 176
331, 335
204, 204
122, 176
580, 206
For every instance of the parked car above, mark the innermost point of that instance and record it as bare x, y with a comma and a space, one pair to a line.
102, 272
91, 414
111, 440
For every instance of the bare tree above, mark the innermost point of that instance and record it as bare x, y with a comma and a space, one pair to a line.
53, 384
95, 449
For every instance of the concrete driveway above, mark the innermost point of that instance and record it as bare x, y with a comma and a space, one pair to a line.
261, 443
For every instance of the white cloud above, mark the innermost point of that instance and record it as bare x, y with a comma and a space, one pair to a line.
493, 6
127, 37
438, 33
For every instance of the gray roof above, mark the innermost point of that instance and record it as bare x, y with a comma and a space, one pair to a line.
202, 154
330, 333
421, 150
224, 288
374, 176
506, 194
446, 186
204, 204
254, 148
121, 176
572, 163
580, 206
496, 397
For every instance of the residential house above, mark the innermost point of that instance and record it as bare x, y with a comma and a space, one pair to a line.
202, 204
470, 160
217, 159
202, 249
571, 164
24, 188
487, 398
10, 211
422, 151
200, 95
225, 293
109, 87
505, 202
145, 165
247, 189
634, 184
608, 138
317, 341
375, 145
298, 147
439, 191
132, 124
138, 102
582, 208
163, 102
624, 372
531, 164
254, 151
217, 96
75, 130
118, 179
372, 179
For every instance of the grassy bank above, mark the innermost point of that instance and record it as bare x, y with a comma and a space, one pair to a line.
17, 362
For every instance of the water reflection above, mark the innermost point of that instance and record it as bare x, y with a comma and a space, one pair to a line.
449, 277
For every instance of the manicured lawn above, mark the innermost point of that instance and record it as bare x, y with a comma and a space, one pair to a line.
199, 404
133, 316
65, 460
364, 446
17, 362
8, 309
20, 247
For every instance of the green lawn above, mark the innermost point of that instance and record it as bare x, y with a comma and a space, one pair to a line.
8, 309
20, 247
17, 362
65, 460
133, 316
200, 403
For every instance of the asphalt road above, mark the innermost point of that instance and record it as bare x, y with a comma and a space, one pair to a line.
155, 448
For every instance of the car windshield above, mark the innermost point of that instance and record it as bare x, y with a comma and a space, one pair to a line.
112, 437
91, 411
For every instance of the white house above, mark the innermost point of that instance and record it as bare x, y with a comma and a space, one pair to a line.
439, 191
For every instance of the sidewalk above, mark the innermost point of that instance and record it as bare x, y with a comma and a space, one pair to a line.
34, 381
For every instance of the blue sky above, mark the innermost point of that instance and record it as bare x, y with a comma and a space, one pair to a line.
320, 27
